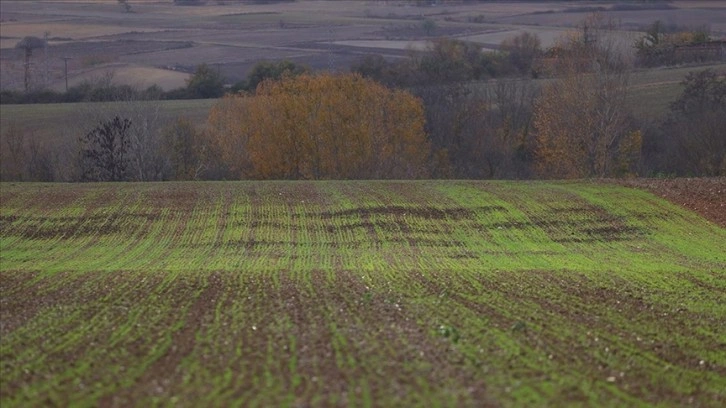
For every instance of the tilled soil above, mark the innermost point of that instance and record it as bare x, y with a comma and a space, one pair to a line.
705, 196
451, 293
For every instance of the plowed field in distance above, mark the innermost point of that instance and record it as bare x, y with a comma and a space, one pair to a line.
435, 293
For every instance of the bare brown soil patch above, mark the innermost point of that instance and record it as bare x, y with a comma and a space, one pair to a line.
399, 211
705, 196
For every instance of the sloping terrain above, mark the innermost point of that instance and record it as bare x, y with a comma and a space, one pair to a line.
358, 294
705, 196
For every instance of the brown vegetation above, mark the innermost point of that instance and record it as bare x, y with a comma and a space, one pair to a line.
321, 127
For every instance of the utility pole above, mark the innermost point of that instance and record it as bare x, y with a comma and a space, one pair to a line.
26, 81
65, 69
45, 58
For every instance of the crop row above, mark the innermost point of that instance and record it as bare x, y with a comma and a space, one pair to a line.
358, 293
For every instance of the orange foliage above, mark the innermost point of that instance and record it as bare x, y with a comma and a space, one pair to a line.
321, 127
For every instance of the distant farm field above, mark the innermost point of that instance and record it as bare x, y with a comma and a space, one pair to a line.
652, 91
435, 293
61, 124
168, 40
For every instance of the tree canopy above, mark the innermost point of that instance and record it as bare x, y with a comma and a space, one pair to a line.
205, 83
321, 127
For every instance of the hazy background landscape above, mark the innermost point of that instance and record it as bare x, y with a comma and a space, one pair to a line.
159, 42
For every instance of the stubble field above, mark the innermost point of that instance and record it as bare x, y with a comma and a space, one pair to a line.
358, 294
233, 36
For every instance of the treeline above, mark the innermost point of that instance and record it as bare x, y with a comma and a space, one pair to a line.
670, 44
429, 116
447, 61
350, 127
204, 83
88, 91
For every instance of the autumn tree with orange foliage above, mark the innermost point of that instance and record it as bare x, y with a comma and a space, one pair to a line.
321, 127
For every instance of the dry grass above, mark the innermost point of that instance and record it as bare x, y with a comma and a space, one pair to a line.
386, 44
137, 76
18, 30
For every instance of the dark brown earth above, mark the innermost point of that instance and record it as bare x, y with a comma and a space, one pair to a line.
705, 196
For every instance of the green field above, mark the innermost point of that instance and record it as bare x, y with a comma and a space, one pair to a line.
653, 90
358, 294
61, 123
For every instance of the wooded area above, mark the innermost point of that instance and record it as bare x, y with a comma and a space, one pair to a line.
449, 111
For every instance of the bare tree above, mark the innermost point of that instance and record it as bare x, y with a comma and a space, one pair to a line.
42, 163
25, 159
185, 149
146, 159
694, 132
28, 44
512, 116
104, 154
583, 127
522, 50
12, 153
480, 132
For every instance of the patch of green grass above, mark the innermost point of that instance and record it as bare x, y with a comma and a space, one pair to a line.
653, 90
358, 293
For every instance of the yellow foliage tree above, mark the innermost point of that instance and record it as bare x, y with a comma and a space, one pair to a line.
321, 127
